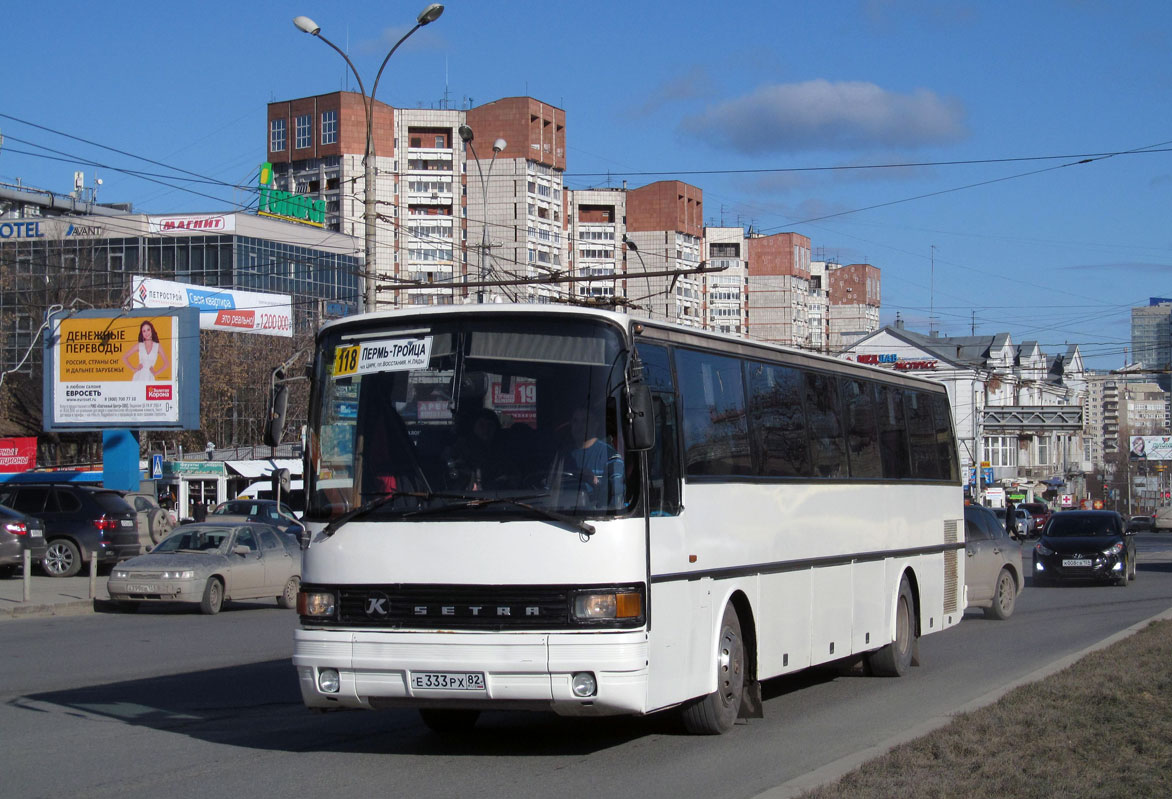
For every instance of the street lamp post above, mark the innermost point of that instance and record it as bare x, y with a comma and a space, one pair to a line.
466, 135
370, 214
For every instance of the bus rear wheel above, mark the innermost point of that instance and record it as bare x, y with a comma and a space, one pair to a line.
895, 659
717, 712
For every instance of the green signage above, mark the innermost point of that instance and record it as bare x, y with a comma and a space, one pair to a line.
285, 205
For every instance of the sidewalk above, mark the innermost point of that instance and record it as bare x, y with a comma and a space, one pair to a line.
50, 596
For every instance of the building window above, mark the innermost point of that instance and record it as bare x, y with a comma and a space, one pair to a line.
1001, 450
304, 132
329, 127
277, 135
1043, 451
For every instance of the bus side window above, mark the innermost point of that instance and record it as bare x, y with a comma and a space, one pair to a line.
663, 460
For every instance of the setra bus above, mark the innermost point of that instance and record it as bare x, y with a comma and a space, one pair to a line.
567, 509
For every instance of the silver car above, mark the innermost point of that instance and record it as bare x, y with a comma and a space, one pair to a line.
210, 564
992, 566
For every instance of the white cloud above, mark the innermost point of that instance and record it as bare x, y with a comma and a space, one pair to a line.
820, 115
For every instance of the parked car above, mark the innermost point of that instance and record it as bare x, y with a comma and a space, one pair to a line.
210, 563
267, 511
263, 489
19, 532
154, 523
1141, 524
1085, 545
1025, 521
81, 522
1041, 513
992, 567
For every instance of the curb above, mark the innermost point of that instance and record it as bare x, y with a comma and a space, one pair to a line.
79, 607
824, 775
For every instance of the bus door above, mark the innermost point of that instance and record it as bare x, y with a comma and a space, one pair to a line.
673, 601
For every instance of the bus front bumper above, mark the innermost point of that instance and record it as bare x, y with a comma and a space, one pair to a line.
484, 671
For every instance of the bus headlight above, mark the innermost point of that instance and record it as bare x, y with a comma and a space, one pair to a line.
604, 605
316, 604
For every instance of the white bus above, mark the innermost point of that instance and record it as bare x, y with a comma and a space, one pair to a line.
552, 508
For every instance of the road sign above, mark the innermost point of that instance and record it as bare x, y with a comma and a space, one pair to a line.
156, 467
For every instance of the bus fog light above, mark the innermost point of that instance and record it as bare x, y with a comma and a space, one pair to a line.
584, 684
327, 681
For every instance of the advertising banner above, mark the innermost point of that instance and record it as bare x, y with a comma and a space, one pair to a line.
18, 454
219, 309
1151, 448
109, 369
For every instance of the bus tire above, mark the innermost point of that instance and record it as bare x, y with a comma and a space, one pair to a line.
895, 659
716, 713
447, 721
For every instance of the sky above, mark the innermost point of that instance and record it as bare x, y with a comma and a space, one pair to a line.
1007, 165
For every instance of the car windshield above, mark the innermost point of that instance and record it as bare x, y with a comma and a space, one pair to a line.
468, 416
195, 539
1067, 525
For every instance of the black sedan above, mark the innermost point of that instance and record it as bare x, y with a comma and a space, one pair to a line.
1085, 545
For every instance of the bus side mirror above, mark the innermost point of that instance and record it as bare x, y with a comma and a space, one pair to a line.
641, 421
277, 409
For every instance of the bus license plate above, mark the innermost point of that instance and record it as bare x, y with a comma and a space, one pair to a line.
448, 680
1077, 564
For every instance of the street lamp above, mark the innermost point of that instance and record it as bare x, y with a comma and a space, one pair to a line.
426, 16
466, 135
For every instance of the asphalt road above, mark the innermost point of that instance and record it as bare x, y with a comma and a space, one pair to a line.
172, 703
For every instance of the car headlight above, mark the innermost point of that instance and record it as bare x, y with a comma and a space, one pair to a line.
602, 605
178, 575
1114, 549
1042, 549
119, 574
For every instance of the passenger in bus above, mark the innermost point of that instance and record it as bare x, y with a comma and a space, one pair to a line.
589, 464
473, 459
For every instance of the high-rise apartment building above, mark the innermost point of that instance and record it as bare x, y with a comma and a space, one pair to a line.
853, 309
446, 211
597, 222
725, 290
778, 288
1151, 334
665, 220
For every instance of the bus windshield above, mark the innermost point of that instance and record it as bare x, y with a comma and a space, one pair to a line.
465, 416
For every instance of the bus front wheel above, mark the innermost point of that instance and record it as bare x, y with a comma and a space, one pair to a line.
717, 712
895, 659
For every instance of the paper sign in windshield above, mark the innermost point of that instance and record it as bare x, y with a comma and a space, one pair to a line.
387, 355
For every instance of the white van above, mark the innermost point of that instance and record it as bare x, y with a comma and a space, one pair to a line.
263, 489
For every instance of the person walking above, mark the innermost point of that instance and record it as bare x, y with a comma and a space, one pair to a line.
1011, 518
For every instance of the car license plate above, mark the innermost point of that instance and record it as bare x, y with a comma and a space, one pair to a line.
127, 523
142, 588
1077, 564
448, 680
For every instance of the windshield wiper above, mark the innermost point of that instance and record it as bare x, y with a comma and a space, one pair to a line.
465, 501
480, 502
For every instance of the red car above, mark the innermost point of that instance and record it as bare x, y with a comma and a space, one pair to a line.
1041, 513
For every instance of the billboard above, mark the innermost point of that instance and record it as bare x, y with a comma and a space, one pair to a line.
219, 309
107, 369
1150, 448
18, 454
